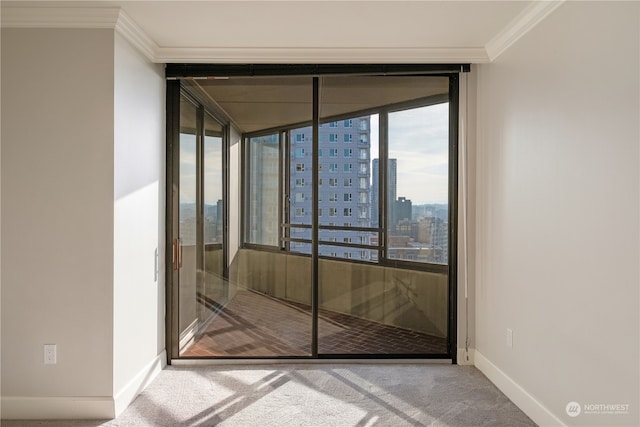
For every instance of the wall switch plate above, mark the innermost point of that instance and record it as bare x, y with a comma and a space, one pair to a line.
509, 338
156, 266
50, 357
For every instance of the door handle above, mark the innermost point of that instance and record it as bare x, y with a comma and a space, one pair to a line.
174, 253
180, 253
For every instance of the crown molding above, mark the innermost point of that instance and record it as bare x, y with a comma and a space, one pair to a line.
59, 17
80, 17
15, 16
115, 18
296, 55
519, 26
126, 27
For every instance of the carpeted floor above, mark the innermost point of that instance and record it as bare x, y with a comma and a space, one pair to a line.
323, 395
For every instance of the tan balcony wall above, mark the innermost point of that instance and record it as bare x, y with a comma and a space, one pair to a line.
405, 298
214, 283
280, 275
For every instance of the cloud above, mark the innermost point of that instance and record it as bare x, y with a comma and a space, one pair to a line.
212, 169
419, 140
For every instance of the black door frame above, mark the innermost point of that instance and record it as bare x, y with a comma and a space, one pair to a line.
175, 73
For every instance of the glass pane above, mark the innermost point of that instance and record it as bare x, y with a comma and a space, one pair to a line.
345, 194
348, 244
367, 308
300, 177
264, 159
213, 204
263, 310
188, 274
214, 288
418, 183
303, 247
370, 309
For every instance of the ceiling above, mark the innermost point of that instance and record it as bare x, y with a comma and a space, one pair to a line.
295, 32
323, 23
257, 103
356, 31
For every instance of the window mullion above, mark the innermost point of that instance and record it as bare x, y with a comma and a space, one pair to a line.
199, 197
315, 191
383, 184
283, 186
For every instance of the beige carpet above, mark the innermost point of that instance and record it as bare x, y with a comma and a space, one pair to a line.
323, 395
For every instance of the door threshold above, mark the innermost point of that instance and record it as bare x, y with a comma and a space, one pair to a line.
307, 361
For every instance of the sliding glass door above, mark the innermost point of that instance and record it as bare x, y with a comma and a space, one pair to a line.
185, 246
260, 311
198, 232
345, 245
213, 289
383, 282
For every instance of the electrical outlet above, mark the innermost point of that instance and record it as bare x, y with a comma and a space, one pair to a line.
50, 357
509, 338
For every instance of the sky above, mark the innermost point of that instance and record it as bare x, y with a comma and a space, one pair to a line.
418, 139
212, 169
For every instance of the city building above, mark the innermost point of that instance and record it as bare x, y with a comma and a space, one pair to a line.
401, 212
344, 191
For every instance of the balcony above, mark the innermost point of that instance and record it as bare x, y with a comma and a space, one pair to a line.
264, 309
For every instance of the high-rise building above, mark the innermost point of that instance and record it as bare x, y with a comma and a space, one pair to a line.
213, 227
401, 211
344, 186
375, 188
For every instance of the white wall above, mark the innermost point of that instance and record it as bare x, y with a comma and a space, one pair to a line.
83, 200
139, 176
57, 215
558, 210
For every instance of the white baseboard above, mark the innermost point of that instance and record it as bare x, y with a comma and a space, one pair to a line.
87, 408
129, 392
55, 408
462, 357
518, 395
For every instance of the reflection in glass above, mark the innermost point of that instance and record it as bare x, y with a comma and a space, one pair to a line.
264, 153
214, 288
262, 310
213, 204
187, 257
